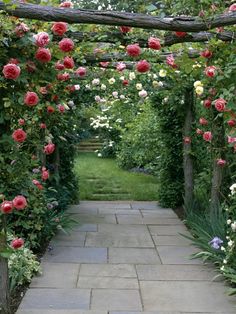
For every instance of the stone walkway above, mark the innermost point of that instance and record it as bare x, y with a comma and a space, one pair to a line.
125, 258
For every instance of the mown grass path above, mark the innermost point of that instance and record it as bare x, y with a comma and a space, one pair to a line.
102, 179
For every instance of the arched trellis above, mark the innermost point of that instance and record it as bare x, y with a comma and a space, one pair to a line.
196, 25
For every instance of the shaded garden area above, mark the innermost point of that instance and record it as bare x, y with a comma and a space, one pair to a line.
154, 82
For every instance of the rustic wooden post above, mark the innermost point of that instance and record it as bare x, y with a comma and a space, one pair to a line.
4, 278
187, 148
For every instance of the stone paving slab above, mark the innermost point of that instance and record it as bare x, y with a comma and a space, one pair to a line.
65, 254
103, 299
147, 220
178, 255
168, 230
86, 227
72, 239
133, 256
108, 270
57, 275
99, 239
145, 205
107, 282
114, 211
185, 296
123, 229
56, 299
77, 209
61, 312
160, 213
95, 219
175, 272
171, 240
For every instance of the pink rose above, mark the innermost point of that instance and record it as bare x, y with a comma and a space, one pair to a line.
133, 50
220, 104
104, 64
154, 43
6, 207
21, 29
21, 122
232, 8
206, 54
210, 71
81, 71
207, 136
50, 109
61, 108
187, 140
66, 45
11, 71
231, 122
66, 4
31, 99
17, 243
125, 29
68, 63
207, 103
199, 132
45, 175
43, 126
49, 148
121, 66
170, 60
221, 162
59, 66
203, 121
19, 202
143, 66
59, 28
231, 140
41, 39
38, 184
63, 76
43, 55
19, 136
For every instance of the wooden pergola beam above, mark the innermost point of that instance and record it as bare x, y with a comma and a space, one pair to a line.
179, 23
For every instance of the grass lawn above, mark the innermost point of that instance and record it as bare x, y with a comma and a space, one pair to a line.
102, 179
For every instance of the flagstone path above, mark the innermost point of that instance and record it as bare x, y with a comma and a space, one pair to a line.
125, 258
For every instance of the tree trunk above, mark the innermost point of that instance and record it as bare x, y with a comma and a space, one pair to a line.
188, 162
4, 282
178, 23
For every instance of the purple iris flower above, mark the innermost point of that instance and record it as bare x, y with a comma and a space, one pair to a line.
215, 243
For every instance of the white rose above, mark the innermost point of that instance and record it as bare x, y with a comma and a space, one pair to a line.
111, 81
132, 76
143, 93
103, 87
96, 82
199, 90
139, 86
162, 73
197, 83
77, 87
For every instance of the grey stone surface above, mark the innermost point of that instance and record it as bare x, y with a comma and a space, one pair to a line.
103, 299
86, 227
123, 229
185, 296
72, 239
57, 275
65, 254
80, 209
108, 270
160, 213
107, 282
139, 220
145, 205
95, 219
168, 230
61, 312
114, 211
56, 299
171, 240
175, 272
177, 255
99, 239
133, 255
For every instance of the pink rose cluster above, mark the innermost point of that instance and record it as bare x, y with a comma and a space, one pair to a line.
18, 203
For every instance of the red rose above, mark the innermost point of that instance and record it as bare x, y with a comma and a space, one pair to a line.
41, 39
220, 104
125, 29
180, 34
68, 63
187, 140
133, 50
17, 243
210, 71
232, 7
81, 71
19, 136
21, 121
154, 43
43, 126
11, 71
59, 66
231, 122
207, 136
203, 121
49, 148
66, 4
6, 207
59, 28
206, 54
19, 202
143, 66
45, 175
30, 66
63, 76
221, 162
66, 44
207, 103
50, 109
31, 99
125, 82
43, 55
